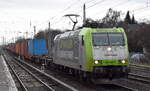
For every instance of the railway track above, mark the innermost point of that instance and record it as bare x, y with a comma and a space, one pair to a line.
139, 78
140, 73
101, 87
140, 67
47, 82
87, 86
126, 87
136, 79
27, 80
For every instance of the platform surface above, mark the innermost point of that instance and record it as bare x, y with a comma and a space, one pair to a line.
6, 81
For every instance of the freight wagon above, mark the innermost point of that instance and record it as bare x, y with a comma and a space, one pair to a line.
18, 48
24, 50
11, 47
37, 49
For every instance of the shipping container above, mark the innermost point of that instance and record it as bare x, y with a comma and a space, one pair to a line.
25, 49
17, 48
22, 48
19, 53
37, 47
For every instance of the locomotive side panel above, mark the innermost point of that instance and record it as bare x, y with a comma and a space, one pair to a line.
66, 50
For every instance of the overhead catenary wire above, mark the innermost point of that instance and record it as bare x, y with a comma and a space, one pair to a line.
66, 9
59, 13
99, 2
89, 1
70, 6
119, 4
57, 21
146, 16
137, 11
142, 8
102, 1
86, 8
113, 6
96, 4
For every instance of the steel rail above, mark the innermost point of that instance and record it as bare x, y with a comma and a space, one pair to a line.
46, 85
141, 78
50, 88
19, 80
49, 76
142, 66
132, 89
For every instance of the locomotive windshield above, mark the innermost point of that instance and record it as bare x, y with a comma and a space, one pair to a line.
102, 39
116, 39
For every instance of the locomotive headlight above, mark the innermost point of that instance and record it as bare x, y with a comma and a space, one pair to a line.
96, 62
109, 48
123, 61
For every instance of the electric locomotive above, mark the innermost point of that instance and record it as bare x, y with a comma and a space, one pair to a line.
92, 52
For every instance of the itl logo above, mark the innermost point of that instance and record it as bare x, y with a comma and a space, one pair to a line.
110, 54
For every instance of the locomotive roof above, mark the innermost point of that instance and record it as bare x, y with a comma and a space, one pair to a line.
91, 30
69, 33
83, 31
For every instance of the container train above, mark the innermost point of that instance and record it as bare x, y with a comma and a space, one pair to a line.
87, 52
35, 50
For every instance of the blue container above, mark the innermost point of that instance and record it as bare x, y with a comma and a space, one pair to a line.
37, 47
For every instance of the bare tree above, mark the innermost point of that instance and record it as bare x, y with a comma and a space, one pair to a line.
112, 18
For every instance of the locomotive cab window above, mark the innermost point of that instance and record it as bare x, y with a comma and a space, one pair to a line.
100, 39
104, 39
116, 39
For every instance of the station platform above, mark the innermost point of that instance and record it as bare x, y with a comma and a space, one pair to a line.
6, 81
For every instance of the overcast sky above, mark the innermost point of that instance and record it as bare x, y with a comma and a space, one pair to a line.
18, 16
